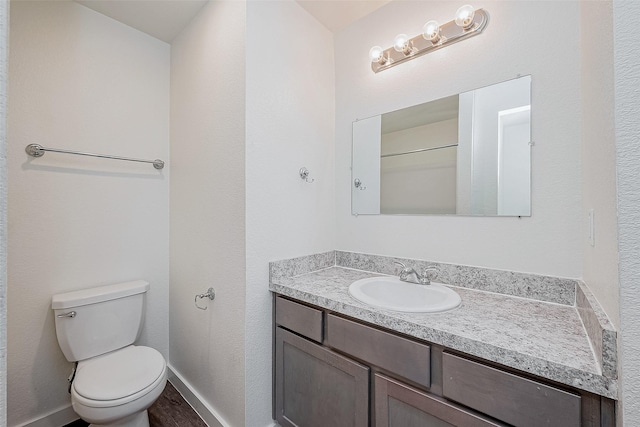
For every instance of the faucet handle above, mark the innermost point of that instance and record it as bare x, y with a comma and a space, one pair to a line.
400, 264
404, 272
430, 273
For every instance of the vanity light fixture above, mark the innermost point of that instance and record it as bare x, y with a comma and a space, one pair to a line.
467, 23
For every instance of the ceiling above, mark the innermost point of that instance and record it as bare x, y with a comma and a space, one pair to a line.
164, 19
338, 14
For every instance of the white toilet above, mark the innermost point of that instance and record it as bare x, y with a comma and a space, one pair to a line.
115, 381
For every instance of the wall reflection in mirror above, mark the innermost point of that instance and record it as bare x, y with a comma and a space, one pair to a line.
467, 154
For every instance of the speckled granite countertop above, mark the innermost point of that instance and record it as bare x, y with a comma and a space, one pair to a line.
541, 338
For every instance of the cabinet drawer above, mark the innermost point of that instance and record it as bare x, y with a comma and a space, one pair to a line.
299, 318
316, 387
398, 405
406, 358
507, 397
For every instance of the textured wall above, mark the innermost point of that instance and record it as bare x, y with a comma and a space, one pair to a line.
79, 80
599, 156
4, 30
290, 114
626, 51
208, 206
529, 37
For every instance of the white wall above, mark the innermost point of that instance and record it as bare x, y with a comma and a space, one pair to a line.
208, 206
599, 156
626, 51
290, 119
537, 38
81, 81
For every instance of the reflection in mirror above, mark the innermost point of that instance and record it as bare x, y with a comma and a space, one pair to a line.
418, 159
467, 154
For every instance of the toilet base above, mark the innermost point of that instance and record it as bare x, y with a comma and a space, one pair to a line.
141, 419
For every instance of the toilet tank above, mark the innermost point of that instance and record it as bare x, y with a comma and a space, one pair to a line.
98, 320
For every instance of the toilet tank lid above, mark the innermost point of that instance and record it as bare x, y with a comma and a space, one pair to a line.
98, 294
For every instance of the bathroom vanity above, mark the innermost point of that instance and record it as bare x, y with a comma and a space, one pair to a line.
494, 361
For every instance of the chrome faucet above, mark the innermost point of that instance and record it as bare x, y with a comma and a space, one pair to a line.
425, 278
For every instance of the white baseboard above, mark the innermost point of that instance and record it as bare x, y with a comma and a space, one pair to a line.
66, 414
197, 402
56, 418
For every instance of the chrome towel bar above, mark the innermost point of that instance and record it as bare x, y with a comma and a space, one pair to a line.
37, 150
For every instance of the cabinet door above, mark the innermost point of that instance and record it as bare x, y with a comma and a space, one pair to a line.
317, 387
398, 405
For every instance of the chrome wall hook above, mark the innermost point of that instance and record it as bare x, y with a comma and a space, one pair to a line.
358, 184
304, 174
211, 294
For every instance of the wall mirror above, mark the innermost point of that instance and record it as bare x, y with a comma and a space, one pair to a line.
466, 154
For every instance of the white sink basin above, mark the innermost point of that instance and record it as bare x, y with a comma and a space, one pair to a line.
392, 294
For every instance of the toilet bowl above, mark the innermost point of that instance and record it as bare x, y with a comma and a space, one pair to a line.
115, 381
110, 389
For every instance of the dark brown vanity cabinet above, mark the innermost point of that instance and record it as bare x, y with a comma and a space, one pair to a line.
333, 371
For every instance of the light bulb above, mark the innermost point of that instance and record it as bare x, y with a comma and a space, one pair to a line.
376, 54
401, 43
431, 31
464, 16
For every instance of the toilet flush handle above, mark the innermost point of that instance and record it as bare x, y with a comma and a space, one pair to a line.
70, 314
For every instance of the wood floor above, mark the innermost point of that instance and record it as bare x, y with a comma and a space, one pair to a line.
170, 410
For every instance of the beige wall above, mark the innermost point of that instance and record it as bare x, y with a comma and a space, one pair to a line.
208, 207
85, 82
599, 157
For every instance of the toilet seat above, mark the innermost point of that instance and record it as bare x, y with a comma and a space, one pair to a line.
119, 377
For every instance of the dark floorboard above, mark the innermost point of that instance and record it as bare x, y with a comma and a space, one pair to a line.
170, 410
